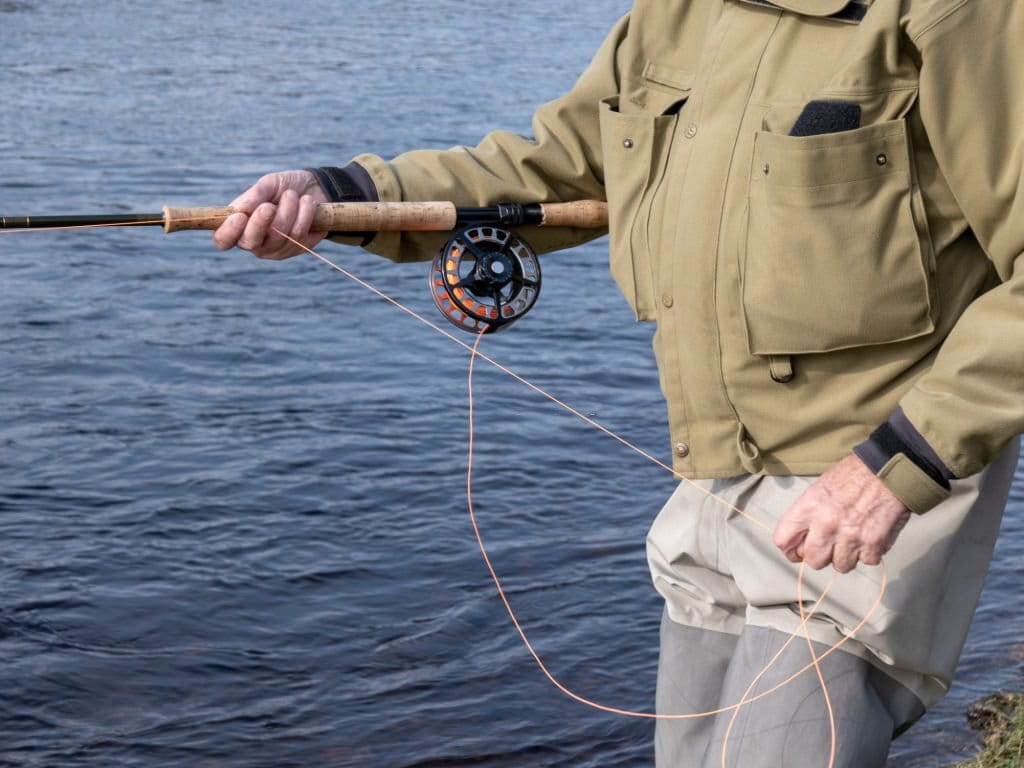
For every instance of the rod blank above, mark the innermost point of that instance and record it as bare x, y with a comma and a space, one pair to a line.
50, 222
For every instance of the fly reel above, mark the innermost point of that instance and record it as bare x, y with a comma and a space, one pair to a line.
484, 279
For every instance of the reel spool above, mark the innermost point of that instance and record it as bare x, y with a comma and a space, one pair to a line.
484, 279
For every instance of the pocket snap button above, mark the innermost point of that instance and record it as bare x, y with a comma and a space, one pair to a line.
682, 450
667, 300
882, 160
691, 130
627, 143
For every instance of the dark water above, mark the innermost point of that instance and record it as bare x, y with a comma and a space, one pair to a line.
232, 521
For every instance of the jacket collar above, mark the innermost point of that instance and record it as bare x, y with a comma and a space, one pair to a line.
850, 11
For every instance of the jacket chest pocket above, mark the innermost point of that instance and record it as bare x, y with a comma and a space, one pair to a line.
836, 252
634, 147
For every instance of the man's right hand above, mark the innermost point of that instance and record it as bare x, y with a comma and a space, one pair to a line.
284, 201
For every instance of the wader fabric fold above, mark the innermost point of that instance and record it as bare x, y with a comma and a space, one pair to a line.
702, 670
719, 571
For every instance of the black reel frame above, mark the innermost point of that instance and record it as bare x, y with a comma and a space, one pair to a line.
485, 278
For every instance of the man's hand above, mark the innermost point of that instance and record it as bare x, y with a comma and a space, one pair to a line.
285, 201
846, 516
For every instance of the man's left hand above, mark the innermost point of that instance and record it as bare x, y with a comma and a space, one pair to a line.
847, 516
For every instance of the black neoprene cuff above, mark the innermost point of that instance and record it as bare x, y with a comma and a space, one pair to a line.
351, 184
890, 439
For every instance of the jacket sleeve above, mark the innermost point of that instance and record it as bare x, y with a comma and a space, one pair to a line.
971, 403
561, 162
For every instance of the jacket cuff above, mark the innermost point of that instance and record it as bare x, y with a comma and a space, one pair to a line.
898, 435
911, 485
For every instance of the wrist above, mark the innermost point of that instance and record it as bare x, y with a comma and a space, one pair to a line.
906, 464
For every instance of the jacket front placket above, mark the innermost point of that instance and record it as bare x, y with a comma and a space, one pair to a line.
705, 431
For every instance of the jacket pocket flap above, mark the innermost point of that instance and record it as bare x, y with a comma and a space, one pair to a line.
831, 158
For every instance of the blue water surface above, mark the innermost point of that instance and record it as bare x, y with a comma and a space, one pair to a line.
232, 514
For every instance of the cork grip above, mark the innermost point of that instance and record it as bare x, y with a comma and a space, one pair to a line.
586, 214
177, 219
336, 217
385, 217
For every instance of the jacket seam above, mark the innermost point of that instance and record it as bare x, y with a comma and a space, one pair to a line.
937, 21
837, 91
844, 182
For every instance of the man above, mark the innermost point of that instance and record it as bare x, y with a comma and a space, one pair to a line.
821, 203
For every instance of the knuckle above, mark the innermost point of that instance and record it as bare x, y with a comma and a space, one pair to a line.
816, 559
871, 557
250, 243
826, 529
874, 541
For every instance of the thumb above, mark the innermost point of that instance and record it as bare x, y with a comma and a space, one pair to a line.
791, 531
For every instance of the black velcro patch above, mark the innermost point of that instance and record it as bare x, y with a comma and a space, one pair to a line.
823, 116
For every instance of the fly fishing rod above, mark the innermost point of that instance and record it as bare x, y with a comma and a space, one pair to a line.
482, 280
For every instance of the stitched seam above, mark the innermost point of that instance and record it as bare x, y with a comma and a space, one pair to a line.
843, 182
866, 136
936, 22
868, 91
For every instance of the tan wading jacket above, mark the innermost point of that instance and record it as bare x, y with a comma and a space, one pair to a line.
882, 264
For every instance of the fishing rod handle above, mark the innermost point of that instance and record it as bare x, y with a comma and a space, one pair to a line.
585, 214
336, 217
393, 217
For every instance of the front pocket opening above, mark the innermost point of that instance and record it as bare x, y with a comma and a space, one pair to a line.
633, 148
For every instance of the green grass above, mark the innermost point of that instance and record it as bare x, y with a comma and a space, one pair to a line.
1001, 718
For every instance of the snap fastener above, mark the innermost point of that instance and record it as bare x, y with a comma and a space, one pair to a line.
691, 130
882, 160
627, 143
767, 169
682, 450
667, 300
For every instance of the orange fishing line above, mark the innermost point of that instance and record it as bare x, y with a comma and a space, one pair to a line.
746, 698
817, 669
805, 616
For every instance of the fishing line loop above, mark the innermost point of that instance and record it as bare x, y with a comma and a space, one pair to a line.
806, 616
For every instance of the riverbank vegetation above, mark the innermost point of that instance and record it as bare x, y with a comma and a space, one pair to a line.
1000, 717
